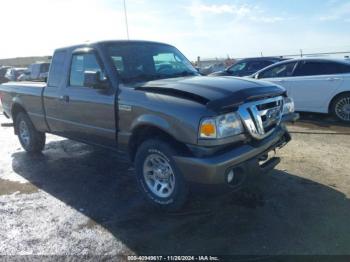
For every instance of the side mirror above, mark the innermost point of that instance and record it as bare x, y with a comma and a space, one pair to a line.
92, 79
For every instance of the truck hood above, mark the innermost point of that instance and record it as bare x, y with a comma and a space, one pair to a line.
217, 93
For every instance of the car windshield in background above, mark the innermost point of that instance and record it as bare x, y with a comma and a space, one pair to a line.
136, 62
237, 67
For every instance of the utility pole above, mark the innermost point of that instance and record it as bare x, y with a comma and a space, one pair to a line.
126, 21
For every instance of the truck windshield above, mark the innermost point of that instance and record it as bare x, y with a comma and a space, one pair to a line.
137, 62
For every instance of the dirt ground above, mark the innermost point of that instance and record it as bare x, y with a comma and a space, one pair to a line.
76, 200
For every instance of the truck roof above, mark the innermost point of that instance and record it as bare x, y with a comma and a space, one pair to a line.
87, 44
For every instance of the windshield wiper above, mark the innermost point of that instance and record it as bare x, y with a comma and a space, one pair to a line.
149, 77
183, 73
142, 77
188, 73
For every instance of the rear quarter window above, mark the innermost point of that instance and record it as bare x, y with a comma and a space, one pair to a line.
57, 68
343, 68
309, 68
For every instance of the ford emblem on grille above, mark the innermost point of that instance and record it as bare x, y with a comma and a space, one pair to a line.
262, 117
272, 116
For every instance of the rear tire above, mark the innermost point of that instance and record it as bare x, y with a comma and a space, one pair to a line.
341, 107
31, 140
158, 177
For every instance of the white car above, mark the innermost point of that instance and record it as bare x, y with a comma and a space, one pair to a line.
13, 73
319, 85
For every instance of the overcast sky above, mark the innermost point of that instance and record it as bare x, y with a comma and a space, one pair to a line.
197, 27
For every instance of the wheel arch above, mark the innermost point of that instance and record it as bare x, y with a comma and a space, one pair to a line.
144, 132
15, 110
334, 98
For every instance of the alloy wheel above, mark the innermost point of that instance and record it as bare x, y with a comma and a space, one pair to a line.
24, 133
159, 175
342, 109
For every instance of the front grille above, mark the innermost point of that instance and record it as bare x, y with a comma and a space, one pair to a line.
262, 117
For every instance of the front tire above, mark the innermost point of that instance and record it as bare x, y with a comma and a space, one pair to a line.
341, 107
31, 140
158, 177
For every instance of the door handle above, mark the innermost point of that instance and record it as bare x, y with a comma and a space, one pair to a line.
64, 98
280, 80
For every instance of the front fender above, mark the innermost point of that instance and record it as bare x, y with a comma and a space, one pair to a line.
152, 120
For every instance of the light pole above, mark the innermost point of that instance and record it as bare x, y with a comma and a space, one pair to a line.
126, 20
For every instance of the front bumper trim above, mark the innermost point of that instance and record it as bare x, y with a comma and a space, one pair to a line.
213, 170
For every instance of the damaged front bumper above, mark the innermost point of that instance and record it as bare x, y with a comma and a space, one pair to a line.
245, 157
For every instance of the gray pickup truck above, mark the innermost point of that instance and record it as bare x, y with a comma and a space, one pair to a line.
145, 99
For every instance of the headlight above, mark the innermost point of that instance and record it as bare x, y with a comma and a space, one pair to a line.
288, 106
221, 126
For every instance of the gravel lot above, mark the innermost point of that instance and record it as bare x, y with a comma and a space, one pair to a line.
76, 200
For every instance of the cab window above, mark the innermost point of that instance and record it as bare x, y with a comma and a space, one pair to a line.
118, 63
80, 64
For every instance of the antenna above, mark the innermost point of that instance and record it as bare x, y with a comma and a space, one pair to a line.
126, 20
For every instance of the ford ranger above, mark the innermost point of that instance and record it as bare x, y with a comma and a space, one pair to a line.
145, 99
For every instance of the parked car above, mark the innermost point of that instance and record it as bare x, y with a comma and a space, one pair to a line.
36, 71
319, 85
25, 76
248, 66
212, 68
13, 73
175, 125
3, 71
39, 71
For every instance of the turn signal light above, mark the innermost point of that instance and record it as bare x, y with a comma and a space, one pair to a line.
208, 129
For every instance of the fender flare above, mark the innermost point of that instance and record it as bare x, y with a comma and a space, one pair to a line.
153, 121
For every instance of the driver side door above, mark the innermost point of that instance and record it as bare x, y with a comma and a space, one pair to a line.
89, 113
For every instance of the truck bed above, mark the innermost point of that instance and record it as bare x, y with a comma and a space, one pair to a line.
27, 94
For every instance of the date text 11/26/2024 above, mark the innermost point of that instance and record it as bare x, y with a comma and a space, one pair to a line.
173, 258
